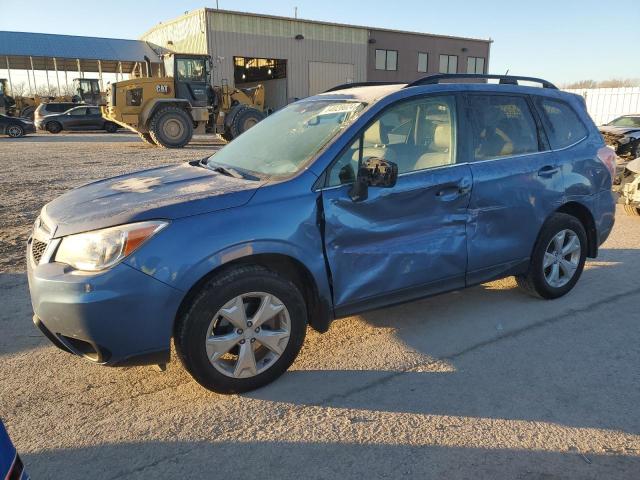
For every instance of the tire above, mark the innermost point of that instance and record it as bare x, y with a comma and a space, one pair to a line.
203, 319
15, 131
110, 127
171, 127
632, 210
27, 112
227, 135
53, 127
537, 281
146, 138
244, 119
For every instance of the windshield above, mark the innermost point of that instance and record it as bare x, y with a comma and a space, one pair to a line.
282, 143
626, 122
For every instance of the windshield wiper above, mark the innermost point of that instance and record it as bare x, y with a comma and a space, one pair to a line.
229, 172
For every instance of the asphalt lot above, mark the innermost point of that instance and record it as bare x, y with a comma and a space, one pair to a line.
483, 383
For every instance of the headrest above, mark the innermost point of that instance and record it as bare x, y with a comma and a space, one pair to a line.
373, 134
442, 137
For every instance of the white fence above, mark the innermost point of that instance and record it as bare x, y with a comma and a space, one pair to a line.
605, 104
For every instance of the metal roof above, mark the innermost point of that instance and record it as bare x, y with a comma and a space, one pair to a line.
19, 46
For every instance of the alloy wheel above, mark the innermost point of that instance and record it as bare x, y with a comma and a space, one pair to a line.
561, 258
248, 335
14, 131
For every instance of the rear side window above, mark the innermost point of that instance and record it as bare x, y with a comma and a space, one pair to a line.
59, 107
502, 126
563, 124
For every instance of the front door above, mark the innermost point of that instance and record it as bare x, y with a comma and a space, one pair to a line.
76, 119
409, 240
517, 184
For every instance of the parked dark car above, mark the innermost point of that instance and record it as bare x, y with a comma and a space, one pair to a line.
623, 134
78, 118
15, 127
11, 467
347, 201
52, 108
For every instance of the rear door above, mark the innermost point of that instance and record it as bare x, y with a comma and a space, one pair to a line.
409, 240
517, 183
94, 119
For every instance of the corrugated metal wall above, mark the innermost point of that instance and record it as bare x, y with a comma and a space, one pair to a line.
605, 104
187, 33
232, 34
324, 75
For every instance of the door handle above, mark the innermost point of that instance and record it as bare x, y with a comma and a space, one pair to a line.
548, 171
452, 192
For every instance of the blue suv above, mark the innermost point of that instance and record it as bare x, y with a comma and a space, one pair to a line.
358, 198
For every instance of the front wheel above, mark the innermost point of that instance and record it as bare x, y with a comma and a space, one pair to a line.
171, 127
558, 258
15, 131
242, 330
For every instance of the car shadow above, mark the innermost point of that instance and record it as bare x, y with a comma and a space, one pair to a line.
319, 460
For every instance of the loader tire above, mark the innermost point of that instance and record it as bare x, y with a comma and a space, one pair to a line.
171, 127
146, 138
245, 119
632, 210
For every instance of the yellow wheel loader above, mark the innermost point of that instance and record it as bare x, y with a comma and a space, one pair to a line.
165, 111
85, 90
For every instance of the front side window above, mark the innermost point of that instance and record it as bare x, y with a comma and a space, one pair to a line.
423, 60
282, 143
386, 60
502, 126
448, 64
475, 65
626, 121
190, 69
415, 135
563, 125
77, 112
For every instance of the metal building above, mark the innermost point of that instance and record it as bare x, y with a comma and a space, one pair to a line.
296, 58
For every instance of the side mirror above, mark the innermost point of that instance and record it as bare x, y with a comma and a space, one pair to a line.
374, 172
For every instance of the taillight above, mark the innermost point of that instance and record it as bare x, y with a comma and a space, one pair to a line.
607, 155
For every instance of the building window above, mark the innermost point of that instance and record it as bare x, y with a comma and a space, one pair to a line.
423, 61
475, 65
448, 64
386, 60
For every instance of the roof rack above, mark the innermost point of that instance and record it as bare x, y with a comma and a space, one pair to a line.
346, 86
504, 79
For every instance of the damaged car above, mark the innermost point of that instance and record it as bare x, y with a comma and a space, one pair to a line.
630, 188
623, 135
365, 196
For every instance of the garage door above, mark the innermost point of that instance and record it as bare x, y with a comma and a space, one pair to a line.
324, 75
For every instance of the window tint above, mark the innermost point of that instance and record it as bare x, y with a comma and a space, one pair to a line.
423, 60
94, 111
78, 112
562, 122
415, 135
58, 107
502, 126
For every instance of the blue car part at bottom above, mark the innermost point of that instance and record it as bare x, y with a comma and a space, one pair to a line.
11, 466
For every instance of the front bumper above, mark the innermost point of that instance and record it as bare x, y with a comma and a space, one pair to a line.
118, 317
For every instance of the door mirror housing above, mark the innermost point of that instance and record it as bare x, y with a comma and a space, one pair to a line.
374, 172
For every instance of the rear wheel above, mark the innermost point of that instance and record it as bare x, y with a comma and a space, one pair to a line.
558, 258
171, 127
146, 138
53, 127
15, 131
244, 120
632, 210
242, 330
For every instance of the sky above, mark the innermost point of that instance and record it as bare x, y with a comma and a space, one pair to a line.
560, 40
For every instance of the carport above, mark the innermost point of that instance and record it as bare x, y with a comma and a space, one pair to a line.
74, 54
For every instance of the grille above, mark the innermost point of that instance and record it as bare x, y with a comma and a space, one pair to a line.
37, 249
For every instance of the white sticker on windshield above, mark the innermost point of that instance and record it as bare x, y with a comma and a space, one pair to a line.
339, 108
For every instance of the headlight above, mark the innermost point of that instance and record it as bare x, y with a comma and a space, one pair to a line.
100, 249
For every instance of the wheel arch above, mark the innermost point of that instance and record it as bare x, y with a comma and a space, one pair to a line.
319, 311
582, 213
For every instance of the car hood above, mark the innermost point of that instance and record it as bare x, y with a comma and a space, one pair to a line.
617, 130
160, 193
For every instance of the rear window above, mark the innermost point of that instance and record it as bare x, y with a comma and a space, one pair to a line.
562, 122
502, 126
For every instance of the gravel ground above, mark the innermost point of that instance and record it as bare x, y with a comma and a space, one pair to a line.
484, 383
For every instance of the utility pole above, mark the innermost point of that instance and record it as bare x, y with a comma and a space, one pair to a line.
295, 12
